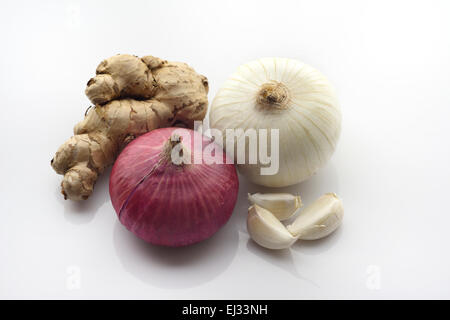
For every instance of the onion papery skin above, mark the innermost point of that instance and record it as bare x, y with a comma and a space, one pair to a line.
168, 204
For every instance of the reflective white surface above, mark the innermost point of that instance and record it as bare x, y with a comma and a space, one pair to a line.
389, 61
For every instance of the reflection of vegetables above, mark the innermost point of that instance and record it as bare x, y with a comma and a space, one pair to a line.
170, 202
282, 205
287, 95
316, 221
132, 96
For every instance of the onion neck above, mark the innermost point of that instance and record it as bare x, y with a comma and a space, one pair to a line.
273, 94
174, 152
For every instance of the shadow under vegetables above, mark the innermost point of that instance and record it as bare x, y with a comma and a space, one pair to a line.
176, 268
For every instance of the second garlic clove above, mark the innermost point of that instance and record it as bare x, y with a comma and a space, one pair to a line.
266, 230
319, 219
282, 205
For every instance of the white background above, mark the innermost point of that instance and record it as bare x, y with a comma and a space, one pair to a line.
390, 62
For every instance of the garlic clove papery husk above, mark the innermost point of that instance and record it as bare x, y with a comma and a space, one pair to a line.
266, 230
282, 205
283, 94
319, 219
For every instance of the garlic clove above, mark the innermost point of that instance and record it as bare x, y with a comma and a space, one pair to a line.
319, 219
282, 205
266, 230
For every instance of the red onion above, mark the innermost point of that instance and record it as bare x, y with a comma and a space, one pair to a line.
172, 204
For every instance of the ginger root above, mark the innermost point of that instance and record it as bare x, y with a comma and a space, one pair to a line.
132, 96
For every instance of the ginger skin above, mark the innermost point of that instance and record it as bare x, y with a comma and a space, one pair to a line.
132, 96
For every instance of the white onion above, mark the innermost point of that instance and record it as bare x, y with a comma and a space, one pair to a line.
284, 94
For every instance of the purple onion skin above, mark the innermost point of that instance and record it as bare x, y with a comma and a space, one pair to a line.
166, 204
